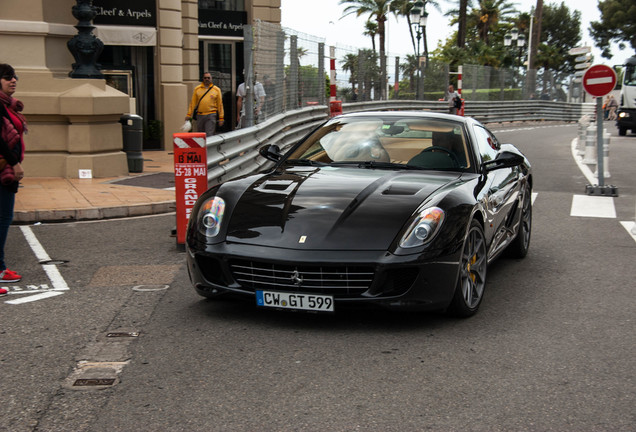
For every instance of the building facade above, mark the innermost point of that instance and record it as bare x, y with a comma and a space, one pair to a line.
154, 54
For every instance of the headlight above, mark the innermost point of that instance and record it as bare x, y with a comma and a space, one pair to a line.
210, 216
623, 114
423, 228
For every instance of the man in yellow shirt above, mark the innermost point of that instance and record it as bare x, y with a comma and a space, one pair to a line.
206, 105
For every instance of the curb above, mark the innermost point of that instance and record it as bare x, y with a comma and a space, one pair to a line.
99, 213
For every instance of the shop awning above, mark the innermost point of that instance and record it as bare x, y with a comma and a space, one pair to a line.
126, 35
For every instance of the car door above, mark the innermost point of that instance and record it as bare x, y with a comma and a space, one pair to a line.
502, 190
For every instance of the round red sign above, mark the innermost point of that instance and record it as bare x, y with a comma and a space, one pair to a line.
599, 80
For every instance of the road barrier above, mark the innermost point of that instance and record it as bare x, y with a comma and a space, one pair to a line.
235, 153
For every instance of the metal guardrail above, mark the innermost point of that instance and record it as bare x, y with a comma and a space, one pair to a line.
235, 153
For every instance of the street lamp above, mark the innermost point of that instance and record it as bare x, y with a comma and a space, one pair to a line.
419, 18
515, 39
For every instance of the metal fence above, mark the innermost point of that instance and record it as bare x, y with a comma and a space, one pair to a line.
236, 153
292, 66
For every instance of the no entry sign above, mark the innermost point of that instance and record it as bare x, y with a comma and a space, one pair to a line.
190, 176
599, 80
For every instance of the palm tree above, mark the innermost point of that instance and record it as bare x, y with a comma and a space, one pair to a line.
460, 16
371, 30
409, 69
350, 63
402, 8
377, 9
487, 15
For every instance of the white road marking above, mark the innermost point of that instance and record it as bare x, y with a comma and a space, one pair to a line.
35, 297
587, 172
593, 206
629, 226
534, 197
57, 281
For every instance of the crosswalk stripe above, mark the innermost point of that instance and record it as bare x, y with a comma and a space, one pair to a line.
593, 206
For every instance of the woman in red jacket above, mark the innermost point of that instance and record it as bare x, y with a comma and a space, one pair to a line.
12, 128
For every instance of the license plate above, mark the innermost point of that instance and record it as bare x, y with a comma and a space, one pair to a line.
308, 302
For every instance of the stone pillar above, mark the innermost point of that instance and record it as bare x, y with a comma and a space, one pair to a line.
173, 97
73, 123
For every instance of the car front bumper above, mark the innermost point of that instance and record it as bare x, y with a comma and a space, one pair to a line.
353, 278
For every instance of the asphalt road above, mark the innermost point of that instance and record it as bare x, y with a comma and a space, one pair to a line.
552, 348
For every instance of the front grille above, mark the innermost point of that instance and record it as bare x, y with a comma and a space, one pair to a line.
339, 281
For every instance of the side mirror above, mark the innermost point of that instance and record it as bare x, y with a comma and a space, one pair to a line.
505, 159
271, 152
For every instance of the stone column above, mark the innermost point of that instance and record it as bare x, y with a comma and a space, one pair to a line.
73, 123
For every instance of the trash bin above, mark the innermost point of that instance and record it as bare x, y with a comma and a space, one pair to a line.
132, 132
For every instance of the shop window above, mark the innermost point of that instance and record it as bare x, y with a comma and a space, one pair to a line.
227, 5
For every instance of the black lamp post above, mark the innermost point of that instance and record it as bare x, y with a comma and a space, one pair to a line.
514, 39
419, 17
85, 46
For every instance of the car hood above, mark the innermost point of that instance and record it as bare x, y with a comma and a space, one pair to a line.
329, 208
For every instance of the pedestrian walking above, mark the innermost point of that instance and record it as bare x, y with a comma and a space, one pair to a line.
206, 106
259, 100
12, 128
613, 106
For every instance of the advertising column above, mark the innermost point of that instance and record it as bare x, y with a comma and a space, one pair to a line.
190, 176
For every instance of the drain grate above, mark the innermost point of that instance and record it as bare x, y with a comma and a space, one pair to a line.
93, 382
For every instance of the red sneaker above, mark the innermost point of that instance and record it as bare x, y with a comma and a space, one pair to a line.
3, 292
9, 276
12, 273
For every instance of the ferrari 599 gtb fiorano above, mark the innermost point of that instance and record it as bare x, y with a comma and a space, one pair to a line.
402, 210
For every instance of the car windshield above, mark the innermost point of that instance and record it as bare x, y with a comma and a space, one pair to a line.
408, 142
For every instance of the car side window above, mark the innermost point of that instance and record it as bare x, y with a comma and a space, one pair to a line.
487, 144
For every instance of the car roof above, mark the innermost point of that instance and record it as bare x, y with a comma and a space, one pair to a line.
421, 114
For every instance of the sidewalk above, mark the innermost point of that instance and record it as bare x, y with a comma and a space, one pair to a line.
58, 199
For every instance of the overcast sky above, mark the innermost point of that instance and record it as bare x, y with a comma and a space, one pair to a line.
323, 18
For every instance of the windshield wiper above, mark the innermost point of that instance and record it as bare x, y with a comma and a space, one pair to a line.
307, 162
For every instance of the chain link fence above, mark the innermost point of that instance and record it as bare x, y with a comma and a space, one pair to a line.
294, 70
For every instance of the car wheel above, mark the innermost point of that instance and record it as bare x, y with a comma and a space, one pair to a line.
622, 131
520, 245
472, 273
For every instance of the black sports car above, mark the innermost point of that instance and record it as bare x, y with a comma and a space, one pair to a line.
394, 209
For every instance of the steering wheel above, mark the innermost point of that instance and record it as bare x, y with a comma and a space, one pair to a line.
450, 154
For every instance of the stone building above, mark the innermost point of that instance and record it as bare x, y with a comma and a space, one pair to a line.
154, 54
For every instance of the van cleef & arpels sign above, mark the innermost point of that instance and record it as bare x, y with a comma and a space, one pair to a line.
141, 13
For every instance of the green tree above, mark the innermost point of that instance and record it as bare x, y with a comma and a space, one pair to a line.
561, 31
617, 24
377, 9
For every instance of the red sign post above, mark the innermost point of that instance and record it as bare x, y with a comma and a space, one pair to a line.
598, 81
190, 176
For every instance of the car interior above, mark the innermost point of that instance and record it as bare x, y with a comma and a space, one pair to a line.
423, 143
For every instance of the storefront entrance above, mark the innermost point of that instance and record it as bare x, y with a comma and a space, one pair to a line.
224, 60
